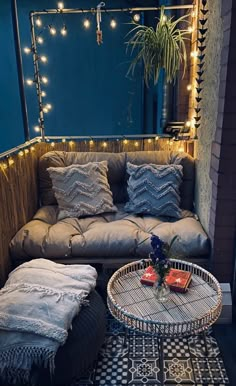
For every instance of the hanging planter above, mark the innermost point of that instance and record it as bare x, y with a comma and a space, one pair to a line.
160, 48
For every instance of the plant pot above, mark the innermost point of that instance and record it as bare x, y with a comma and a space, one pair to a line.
161, 290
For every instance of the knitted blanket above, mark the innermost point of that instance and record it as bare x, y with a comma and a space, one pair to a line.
37, 306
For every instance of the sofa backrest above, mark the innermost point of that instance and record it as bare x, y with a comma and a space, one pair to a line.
117, 175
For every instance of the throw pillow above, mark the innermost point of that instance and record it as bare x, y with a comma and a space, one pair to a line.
154, 189
82, 190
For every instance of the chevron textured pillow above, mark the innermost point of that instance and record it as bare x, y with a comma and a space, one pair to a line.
154, 189
82, 190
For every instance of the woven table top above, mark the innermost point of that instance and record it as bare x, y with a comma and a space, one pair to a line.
134, 304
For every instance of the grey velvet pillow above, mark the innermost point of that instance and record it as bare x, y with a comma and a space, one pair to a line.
154, 189
82, 190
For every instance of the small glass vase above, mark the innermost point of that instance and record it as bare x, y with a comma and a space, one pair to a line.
161, 290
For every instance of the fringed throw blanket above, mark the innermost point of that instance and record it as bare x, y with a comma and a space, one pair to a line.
37, 306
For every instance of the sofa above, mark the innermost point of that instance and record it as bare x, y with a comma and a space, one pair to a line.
114, 237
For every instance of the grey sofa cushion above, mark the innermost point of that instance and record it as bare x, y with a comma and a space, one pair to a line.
117, 176
109, 235
154, 189
116, 171
82, 190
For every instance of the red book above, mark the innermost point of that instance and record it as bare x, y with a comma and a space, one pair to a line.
177, 279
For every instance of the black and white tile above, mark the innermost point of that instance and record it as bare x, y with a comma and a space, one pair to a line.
134, 359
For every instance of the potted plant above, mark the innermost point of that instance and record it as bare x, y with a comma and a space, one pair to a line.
159, 48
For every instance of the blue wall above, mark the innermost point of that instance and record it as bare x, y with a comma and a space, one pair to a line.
11, 126
88, 88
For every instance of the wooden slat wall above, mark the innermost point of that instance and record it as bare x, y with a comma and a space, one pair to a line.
18, 183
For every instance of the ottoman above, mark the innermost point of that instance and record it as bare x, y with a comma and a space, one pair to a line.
82, 345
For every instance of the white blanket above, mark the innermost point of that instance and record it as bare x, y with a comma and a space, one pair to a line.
37, 306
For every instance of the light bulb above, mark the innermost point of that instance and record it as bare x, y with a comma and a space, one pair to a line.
91, 142
32, 148
45, 109
125, 141
52, 144
27, 50
136, 17
104, 144
21, 153
38, 22
60, 5
149, 140
136, 144
156, 138
113, 23
193, 14
194, 54
188, 123
64, 31
63, 140
37, 129
29, 82
44, 79
71, 143
190, 29
189, 87
26, 151
52, 30
11, 161
164, 18
86, 23
43, 59
49, 106
43, 93
40, 39
4, 165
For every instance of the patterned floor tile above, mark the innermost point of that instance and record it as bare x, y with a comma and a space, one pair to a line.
176, 348
178, 371
210, 370
111, 371
144, 371
143, 346
114, 346
201, 346
114, 327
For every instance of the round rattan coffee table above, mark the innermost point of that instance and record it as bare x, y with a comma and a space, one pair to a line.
135, 306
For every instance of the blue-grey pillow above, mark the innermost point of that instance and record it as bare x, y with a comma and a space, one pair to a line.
154, 189
82, 190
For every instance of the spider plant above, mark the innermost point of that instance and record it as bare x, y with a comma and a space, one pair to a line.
163, 47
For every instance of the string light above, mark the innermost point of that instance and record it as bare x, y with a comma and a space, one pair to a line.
136, 144
104, 144
149, 140
164, 18
45, 109
189, 87
44, 79
113, 23
52, 144
64, 30
86, 23
43, 93
52, 30
43, 59
188, 124
156, 138
32, 148
91, 142
27, 50
71, 143
11, 161
190, 29
29, 82
4, 165
39, 39
63, 140
60, 5
21, 153
38, 22
26, 151
193, 14
136, 17
194, 54
49, 106
37, 129
125, 141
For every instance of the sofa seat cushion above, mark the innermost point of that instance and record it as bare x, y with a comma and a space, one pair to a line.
107, 235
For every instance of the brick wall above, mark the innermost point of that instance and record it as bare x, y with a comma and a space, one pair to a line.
223, 156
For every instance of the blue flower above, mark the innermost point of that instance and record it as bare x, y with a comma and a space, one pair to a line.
156, 242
